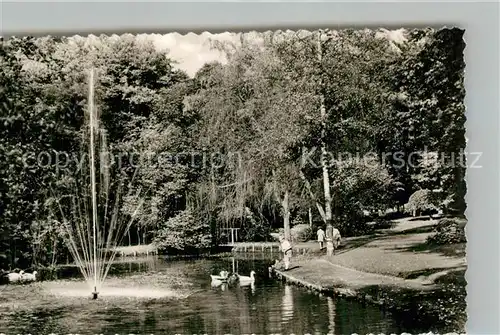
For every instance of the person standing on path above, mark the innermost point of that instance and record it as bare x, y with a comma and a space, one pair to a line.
286, 248
336, 239
321, 237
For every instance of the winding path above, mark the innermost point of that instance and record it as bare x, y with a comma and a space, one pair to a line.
395, 257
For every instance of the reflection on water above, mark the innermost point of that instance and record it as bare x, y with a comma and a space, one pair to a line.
287, 305
179, 297
331, 315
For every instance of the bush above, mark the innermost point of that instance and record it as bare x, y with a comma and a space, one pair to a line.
184, 233
301, 233
255, 229
259, 231
448, 231
275, 236
383, 223
422, 201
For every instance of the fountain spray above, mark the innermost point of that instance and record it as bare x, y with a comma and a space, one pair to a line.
88, 237
93, 126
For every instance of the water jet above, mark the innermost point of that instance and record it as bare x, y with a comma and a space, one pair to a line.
93, 227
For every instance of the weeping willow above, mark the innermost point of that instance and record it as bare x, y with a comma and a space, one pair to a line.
226, 198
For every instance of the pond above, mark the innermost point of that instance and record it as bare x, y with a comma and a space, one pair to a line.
158, 296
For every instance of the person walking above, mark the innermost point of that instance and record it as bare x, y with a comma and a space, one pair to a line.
286, 248
336, 239
321, 237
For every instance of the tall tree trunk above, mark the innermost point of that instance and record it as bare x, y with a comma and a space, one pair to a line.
286, 216
313, 197
324, 162
129, 238
14, 258
310, 218
54, 252
138, 235
34, 255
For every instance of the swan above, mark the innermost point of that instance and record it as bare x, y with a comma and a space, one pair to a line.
216, 283
223, 276
29, 276
15, 277
244, 280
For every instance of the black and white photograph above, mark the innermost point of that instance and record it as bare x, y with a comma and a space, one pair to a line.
257, 182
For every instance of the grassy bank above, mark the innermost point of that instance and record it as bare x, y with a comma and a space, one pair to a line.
396, 269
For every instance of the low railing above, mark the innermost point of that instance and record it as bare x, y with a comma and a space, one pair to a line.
232, 235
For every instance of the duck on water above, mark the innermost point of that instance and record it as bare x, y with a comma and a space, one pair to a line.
223, 276
226, 277
245, 280
17, 277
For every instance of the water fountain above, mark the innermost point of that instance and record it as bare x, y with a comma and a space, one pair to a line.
95, 227
93, 125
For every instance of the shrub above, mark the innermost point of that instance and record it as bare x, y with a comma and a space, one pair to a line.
422, 201
255, 229
443, 224
275, 236
448, 231
301, 233
256, 232
383, 223
184, 233
354, 223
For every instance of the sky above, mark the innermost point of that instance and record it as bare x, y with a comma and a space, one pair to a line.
191, 50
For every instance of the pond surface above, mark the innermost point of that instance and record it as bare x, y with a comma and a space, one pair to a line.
157, 296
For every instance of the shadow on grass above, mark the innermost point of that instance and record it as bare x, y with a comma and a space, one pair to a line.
418, 230
455, 276
292, 268
421, 218
357, 242
424, 272
449, 250
381, 234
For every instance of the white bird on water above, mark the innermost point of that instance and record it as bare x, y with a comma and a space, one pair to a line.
15, 277
244, 280
29, 276
223, 276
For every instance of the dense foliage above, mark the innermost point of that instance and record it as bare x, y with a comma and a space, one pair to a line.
292, 115
301, 233
183, 232
448, 231
422, 201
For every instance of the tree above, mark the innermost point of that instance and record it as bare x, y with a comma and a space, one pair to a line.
338, 71
241, 92
428, 111
362, 185
39, 119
